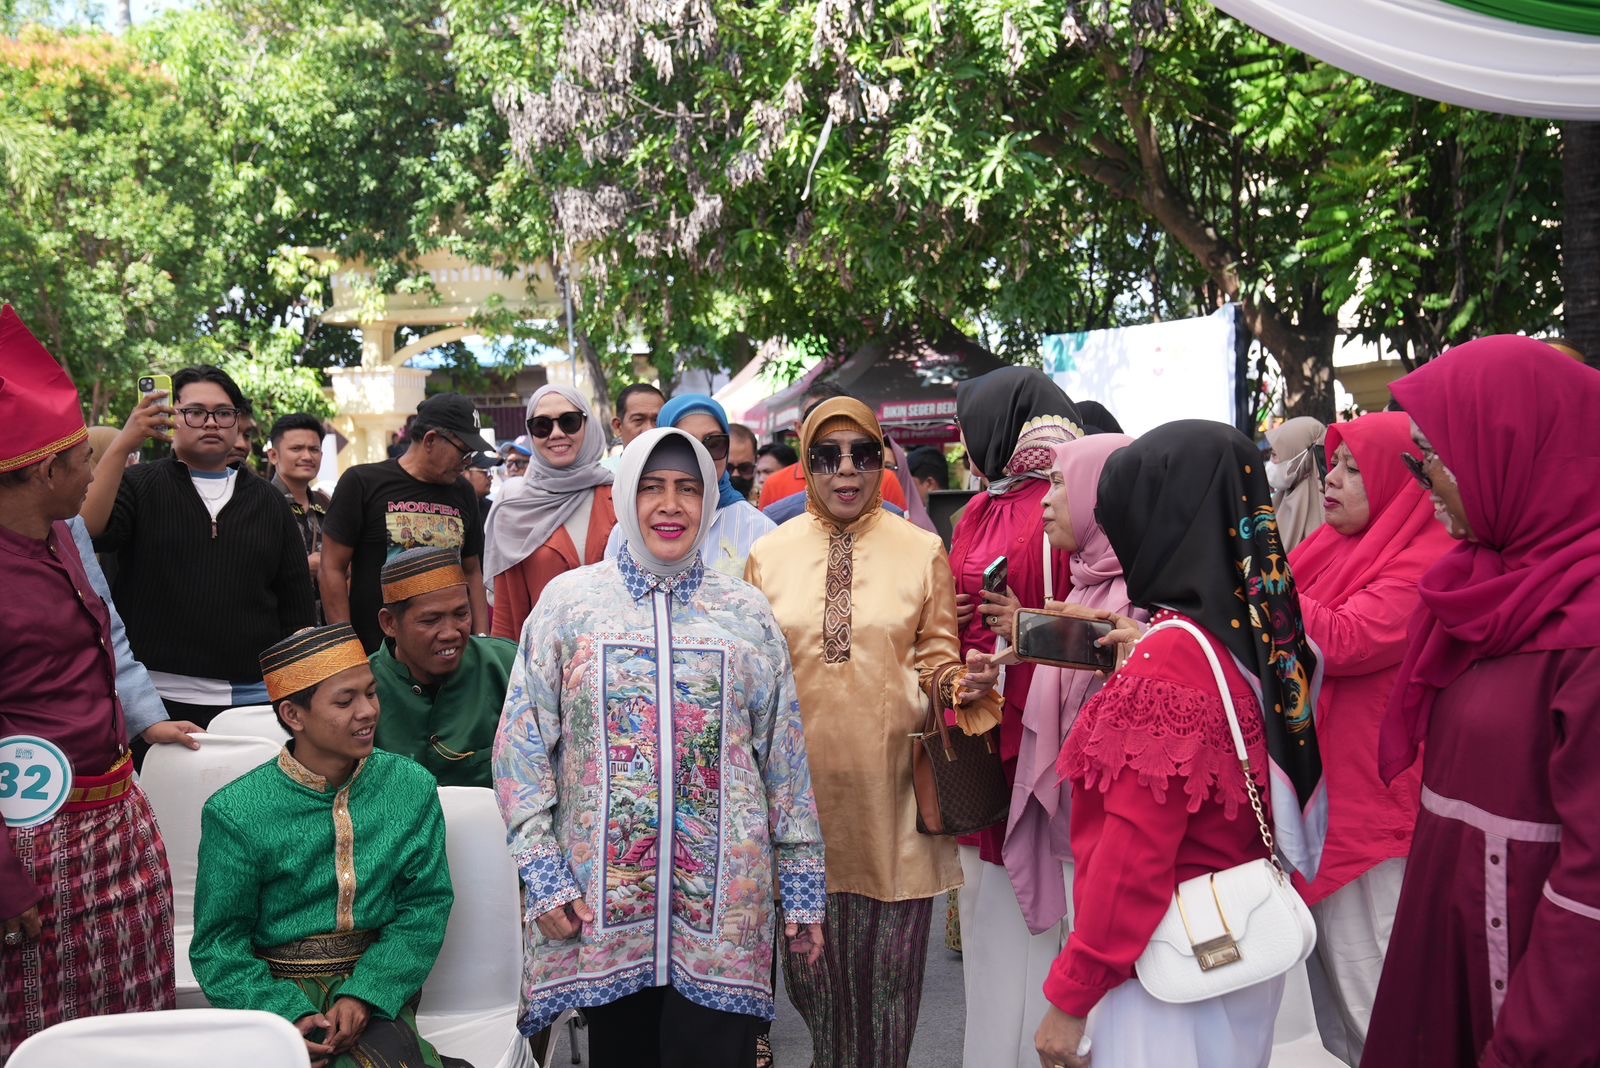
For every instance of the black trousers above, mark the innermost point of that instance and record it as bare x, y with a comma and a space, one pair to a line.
660, 1028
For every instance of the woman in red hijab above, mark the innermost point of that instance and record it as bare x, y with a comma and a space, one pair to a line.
1495, 957
1358, 586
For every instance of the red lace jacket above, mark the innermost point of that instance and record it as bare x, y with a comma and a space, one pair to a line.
1157, 797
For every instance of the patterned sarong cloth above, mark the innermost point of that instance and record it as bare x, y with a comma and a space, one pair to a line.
860, 1000
320, 965
106, 943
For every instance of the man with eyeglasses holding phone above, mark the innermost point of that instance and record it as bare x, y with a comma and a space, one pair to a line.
195, 542
420, 499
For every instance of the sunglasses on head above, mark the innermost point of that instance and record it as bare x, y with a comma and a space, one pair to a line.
570, 423
1419, 470
825, 459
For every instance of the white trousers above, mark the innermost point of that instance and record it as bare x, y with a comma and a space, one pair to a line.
1003, 965
1353, 928
1131, 1029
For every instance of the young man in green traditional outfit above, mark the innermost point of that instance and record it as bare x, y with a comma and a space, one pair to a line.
323, 888
441, 688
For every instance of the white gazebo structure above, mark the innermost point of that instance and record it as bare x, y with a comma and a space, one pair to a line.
375, 399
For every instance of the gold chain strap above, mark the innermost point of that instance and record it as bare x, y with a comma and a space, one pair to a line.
1261, 818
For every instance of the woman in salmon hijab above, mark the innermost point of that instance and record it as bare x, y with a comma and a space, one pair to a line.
1495, 957
1358, 586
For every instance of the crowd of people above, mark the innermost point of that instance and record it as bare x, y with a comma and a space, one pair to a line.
693, 674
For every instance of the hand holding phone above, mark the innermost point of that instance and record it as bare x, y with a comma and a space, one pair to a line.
996, 575
1063, 640
152, 417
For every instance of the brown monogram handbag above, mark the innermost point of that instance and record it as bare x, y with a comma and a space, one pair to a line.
960, 785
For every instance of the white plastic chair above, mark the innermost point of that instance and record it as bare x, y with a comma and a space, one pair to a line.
178, 780
469, 1003
249, 721
1296, 1042
177, 1038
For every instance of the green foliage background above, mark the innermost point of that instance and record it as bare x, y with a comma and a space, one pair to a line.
718, 174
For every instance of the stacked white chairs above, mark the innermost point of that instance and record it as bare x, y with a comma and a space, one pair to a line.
250, 721
1296, 1042
178, 780
469, 1004
178, 1038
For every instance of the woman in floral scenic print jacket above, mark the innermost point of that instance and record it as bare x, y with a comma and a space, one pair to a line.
651, 767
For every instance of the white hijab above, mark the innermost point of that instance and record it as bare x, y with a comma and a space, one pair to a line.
528, 515
630, 469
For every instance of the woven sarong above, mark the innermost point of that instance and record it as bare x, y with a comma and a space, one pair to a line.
320, 965
106, 944
860, 1000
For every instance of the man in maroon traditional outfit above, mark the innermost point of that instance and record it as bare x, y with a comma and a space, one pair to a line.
85, 894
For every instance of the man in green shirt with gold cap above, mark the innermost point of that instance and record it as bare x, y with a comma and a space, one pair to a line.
441, 688
323, 888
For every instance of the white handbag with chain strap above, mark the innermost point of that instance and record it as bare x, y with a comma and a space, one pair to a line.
1230, 929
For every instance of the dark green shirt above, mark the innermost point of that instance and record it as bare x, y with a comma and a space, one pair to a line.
448, 728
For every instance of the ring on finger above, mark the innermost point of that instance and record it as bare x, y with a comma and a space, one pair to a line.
13, 938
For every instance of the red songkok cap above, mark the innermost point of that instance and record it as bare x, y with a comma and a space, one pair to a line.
39, 412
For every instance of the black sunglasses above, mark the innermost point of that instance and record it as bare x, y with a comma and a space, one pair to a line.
825, 459
1419, 470
716, 445
742, 470
570, 423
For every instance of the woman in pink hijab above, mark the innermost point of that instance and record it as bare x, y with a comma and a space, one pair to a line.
1495, 956
1036, 852
1358, 586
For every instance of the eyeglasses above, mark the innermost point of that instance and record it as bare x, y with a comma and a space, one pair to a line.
825, 459
519, 464
742, 470
196, 417
1419, 470
716, 445
570, 423
458, 445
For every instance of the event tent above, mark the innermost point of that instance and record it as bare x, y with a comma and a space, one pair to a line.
1520, 57
909, 381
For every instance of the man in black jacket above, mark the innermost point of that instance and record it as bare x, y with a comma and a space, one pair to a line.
211, 567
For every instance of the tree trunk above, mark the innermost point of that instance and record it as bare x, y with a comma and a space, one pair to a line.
121, 16
1580, 236
597, 374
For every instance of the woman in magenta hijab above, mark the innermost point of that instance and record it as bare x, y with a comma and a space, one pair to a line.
1358, 587
1495, 957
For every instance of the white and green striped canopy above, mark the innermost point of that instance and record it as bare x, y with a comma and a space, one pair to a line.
1521, 57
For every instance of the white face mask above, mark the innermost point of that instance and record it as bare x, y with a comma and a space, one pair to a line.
1282, 477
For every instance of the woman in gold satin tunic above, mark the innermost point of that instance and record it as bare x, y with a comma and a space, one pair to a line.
867, 604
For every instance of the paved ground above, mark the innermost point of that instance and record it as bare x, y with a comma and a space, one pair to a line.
939, 1024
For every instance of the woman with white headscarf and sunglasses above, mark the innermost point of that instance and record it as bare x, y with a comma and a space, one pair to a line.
651, 768
558, 517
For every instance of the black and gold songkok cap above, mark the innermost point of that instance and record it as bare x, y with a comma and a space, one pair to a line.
308, 657
419, 571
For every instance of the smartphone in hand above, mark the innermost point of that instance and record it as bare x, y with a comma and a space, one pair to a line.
996, 575
1063, 641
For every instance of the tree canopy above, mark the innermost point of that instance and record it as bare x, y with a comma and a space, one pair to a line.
711, 175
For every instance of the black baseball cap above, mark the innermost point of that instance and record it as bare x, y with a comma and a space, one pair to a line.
454, 414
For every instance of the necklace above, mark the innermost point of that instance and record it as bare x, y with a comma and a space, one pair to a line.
211, 499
